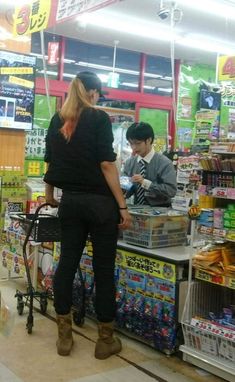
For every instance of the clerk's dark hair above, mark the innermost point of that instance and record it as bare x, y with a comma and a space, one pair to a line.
140, 131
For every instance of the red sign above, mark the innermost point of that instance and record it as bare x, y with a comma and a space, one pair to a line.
53, 53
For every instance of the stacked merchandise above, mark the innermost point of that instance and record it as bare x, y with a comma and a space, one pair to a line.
214, 334
156, 227
216, 260
146, 303
211, 327
218, 222
12, 194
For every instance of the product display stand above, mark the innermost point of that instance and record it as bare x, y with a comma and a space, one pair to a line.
152, 286
208, 345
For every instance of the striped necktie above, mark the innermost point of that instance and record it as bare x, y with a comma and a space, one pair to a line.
140, 199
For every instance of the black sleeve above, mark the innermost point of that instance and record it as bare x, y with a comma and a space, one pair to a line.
104, 137
55, 120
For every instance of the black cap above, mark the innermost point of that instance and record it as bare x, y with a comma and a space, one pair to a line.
90, 81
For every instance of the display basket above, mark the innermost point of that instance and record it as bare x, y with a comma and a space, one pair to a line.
156, 227
46, 228
205, 336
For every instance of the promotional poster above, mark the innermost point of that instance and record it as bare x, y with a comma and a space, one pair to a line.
17, 86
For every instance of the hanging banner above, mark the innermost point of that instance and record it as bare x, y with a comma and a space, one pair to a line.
42, 14
32, 17
226, 68
67, 9
53, 53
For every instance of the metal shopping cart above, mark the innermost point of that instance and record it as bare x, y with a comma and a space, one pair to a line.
38, 227
43, 227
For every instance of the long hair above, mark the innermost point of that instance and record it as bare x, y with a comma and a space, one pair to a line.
76, 101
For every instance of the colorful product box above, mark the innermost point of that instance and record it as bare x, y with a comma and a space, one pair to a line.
229, 223
229, 214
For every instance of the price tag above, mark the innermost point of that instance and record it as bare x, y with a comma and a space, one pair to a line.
231, 193
205, 230
220, 192
215, 279
231, 282
202, 189
219, 232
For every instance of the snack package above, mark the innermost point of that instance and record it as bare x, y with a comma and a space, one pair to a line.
6, 318
127, 186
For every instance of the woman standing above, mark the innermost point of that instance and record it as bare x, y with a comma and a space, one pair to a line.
81, 162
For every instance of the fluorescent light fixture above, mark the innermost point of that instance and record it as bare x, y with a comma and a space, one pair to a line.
40, 56
130, 84
221, 8
157, 31
50, 72
104, 67
207, 44
134, 26
120, 70
167, 90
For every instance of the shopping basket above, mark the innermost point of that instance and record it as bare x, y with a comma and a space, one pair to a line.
38, 228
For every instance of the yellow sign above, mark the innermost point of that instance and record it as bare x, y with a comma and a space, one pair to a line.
226, 68
30, 18
230, 282
22, 70
21, 82
147, 265
211, 278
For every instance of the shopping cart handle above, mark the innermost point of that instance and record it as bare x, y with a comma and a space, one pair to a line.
42, 206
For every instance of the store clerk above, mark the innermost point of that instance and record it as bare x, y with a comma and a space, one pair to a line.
152, 173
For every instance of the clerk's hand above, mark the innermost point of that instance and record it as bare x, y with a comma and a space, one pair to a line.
137, 178
125, 221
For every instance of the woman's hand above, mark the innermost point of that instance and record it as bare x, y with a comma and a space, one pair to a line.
49, 193
126, 219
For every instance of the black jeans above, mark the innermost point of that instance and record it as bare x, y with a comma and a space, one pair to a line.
80, 215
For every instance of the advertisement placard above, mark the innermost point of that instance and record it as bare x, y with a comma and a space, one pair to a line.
17, 85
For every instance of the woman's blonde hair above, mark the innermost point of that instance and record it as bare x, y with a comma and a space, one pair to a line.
76, 101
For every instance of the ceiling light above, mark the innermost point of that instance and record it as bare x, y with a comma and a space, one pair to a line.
207, 44
133, 26
167, 90
104, 67
219, 8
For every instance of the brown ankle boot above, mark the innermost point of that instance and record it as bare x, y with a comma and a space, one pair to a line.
106, 344
65, 340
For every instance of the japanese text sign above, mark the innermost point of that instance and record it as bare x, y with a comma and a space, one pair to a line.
226, 68
32, 17
148, 265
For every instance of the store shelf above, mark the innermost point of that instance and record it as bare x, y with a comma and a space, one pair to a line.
224, 193
225, 281
217, 233
209, 363
217, 192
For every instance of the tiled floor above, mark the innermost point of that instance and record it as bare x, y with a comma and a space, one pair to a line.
33, 358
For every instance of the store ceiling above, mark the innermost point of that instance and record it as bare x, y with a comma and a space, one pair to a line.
141, 17
144, 14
